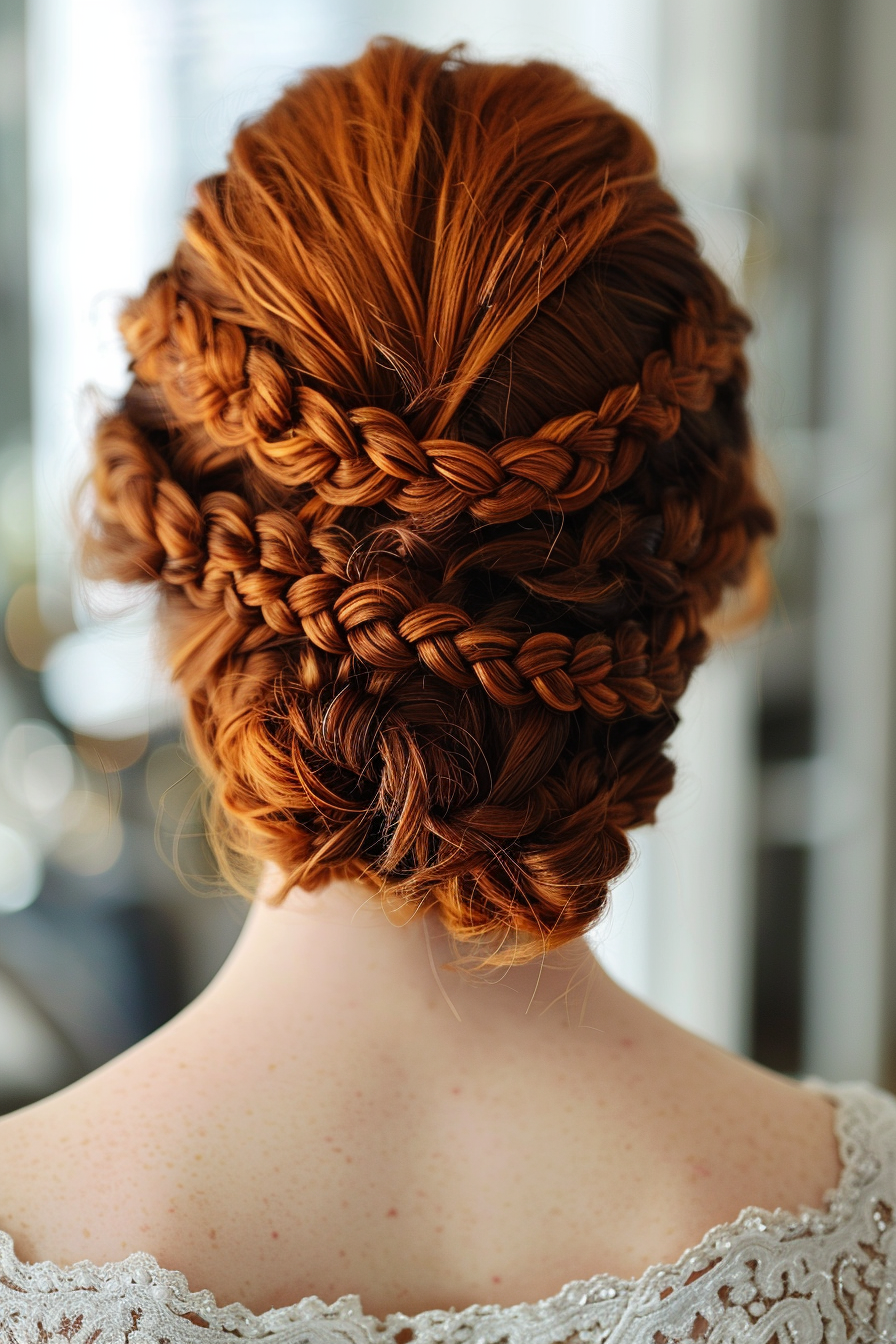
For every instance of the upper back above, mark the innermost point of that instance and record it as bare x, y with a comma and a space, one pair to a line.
268, 1180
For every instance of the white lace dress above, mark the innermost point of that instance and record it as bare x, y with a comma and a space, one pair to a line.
767, 1278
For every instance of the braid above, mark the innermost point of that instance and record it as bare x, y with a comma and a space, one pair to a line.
440, 498
270, 569
212, 373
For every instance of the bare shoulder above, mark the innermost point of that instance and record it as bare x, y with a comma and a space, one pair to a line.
75, 1168
774, 1139
44, 1152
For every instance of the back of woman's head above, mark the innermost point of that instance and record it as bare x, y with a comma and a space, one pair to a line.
436, 446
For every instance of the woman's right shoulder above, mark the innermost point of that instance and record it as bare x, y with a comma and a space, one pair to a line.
84, 1159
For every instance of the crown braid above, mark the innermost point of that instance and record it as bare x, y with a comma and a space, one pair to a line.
438, 528
214, 374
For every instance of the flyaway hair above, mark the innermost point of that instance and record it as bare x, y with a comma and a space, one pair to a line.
436, 447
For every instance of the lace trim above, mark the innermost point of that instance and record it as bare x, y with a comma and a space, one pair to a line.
856, 1107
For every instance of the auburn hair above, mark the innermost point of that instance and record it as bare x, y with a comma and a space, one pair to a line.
436, 448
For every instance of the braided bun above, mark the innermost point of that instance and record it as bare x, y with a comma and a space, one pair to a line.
436, 447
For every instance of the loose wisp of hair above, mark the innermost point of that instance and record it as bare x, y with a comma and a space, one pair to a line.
436, 448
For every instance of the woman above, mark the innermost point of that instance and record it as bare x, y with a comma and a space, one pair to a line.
436, 452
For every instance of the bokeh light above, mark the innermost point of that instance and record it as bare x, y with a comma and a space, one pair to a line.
28, 638
92, 836
107, 754
106, 681
21, 870
37, 767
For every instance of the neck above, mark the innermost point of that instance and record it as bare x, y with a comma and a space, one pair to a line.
337, 955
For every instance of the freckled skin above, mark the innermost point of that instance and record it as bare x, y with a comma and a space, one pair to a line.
320, 1122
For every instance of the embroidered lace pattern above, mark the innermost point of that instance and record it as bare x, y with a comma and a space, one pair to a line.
767, 1278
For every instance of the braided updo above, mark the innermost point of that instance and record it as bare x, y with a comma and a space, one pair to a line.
436, 447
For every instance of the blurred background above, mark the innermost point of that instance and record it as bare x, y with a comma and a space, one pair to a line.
759, 911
